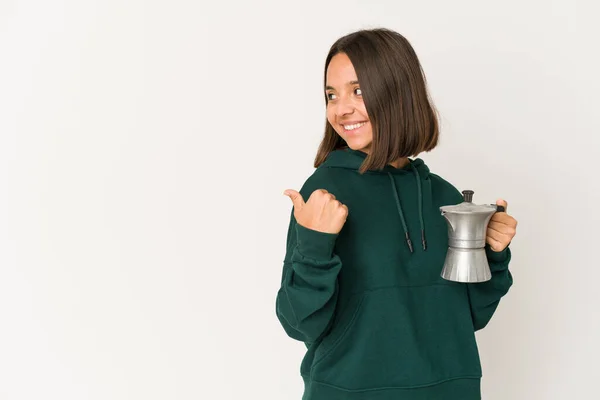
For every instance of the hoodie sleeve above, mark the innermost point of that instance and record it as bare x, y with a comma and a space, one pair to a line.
484, 297
307, 297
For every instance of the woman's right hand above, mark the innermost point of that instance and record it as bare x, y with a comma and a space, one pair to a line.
322, 212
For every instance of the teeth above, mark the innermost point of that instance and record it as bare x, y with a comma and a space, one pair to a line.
351, 127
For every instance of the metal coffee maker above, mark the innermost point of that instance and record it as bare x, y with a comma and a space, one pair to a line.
466, 260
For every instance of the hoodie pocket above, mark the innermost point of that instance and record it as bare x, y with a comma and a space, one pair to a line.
401, 337
341, 329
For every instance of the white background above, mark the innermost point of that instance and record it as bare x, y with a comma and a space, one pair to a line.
145, 146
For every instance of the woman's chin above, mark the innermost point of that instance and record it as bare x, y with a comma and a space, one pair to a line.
356, 145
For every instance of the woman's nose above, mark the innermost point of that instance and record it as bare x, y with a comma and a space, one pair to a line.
344, 106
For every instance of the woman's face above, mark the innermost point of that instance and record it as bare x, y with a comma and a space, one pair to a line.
346, 111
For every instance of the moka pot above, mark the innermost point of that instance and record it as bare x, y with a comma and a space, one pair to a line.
466, 260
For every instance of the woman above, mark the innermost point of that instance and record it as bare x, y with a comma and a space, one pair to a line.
361, 284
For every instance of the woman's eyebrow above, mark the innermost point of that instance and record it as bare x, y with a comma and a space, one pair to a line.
348, 84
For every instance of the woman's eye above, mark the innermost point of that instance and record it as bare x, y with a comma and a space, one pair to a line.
330, 96
358, 91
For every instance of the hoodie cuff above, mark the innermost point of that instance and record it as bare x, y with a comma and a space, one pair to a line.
314, 244
498, 259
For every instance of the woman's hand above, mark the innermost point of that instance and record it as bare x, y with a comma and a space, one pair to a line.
322, 212
501, 229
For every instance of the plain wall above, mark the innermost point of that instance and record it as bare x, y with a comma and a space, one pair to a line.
145, 146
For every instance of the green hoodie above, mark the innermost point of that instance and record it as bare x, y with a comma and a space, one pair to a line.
378, 321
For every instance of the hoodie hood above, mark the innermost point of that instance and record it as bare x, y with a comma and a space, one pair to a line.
353, 159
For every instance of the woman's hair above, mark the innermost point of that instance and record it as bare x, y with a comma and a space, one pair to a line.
394, 90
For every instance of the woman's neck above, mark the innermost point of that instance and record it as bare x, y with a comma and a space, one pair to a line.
399, 163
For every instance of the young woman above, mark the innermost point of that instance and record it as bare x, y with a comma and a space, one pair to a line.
361, 284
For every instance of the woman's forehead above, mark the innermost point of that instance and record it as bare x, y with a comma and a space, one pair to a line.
340, 72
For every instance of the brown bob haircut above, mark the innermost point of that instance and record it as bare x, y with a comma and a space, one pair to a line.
394, 90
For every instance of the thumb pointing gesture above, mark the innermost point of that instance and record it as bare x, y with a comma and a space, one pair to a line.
296, 198
322, 212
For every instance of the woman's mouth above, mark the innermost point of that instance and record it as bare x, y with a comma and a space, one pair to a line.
351, 128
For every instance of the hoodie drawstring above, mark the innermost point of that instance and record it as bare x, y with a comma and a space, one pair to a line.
420, 198
401, 213
408, 241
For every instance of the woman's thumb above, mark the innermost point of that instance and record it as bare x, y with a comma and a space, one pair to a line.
296, 198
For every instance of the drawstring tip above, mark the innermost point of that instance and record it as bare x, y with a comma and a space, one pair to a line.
409, 242
423, 240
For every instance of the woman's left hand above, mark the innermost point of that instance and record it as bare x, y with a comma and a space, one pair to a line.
501, 228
